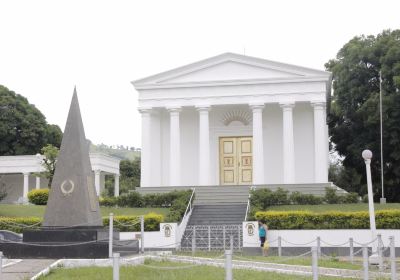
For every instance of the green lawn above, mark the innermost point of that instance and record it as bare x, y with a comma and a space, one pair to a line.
334, 207
154, 271
323, 262
12, 210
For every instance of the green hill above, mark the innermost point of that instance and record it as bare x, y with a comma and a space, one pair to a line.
118, 151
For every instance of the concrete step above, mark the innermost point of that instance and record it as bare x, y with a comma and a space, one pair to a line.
218, 214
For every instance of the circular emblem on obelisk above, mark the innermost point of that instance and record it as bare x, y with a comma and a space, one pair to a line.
67, 187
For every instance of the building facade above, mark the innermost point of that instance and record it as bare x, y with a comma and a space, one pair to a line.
234, 120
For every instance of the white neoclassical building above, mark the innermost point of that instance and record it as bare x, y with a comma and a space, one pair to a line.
20, 174
234, 120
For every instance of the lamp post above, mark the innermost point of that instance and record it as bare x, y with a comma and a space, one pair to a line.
367, 155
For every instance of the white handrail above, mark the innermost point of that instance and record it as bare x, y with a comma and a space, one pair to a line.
247, 208
189, 206
248, 203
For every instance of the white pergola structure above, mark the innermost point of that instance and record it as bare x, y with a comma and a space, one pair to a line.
32, 164
234, 120
103, 164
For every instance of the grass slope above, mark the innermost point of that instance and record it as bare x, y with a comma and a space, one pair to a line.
322, 262
155, 271
334, 207
12, 210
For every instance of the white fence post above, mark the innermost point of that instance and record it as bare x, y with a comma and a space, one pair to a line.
209, 238
194, 240
116, 266
231, 243
239, 241
1, 265
365, 261
228, 265
279, 246
392, 258
314, 255
142, 234
351, 244
224, 236
110, 235
319, 246
380, 252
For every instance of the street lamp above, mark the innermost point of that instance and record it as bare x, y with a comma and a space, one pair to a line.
367, 155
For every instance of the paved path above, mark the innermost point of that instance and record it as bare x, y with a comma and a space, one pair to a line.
24, 269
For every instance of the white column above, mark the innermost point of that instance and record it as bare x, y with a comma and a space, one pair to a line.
26, 188
37, 182
288, 144
156, 154
320, 140
116, 185
204, 145
174, 147
97, 181
258, 145
145, 157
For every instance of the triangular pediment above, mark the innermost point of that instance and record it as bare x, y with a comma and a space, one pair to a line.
227, 68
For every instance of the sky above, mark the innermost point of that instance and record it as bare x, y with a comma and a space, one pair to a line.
48, 47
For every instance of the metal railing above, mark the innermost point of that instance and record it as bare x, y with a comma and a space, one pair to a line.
213, 237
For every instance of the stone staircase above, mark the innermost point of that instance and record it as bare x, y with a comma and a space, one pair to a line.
217, 215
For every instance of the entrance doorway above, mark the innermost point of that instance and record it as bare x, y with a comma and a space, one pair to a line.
236, 160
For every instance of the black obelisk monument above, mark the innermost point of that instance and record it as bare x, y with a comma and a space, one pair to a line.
72, 225
72, 199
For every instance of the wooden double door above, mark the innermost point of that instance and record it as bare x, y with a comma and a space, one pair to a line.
236, 160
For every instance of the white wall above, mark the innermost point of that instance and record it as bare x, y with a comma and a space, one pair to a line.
155, 239
164, 147
156, 148
303, 126
334, 237
189, 124
273, 141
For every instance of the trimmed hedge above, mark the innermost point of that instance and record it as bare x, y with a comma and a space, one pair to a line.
38, 197
122, 223
132, 223
13, 224
176, 201
261, 199
385, 219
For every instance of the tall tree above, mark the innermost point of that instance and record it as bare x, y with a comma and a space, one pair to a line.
23, 128
129, 177
354, 121
50, 154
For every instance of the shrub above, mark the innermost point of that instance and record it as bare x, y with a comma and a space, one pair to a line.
131, 199
108, 201
165, 199
263, 198
38, 197
177, 209
304, 199
331, 197
350, 198
385, 219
